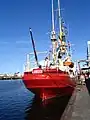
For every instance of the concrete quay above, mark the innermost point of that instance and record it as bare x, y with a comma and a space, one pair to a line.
78, 107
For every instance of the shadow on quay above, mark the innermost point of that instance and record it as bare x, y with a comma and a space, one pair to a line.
51, 109
88, 85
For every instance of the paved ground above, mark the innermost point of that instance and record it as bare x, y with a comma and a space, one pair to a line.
78, 107
81, 108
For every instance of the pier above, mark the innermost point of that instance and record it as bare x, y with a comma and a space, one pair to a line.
10, 76
78, 107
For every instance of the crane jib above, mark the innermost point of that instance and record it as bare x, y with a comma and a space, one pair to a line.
34, 47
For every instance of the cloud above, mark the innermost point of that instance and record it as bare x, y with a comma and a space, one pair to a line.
21, 42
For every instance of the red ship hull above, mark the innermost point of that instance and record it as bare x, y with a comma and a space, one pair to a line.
49, 83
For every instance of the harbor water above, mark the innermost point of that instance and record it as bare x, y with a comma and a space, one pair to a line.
17, 103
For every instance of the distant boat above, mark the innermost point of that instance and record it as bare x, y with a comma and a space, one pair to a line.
56, 77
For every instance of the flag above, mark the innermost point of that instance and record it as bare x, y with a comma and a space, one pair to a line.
63, 32
69, 45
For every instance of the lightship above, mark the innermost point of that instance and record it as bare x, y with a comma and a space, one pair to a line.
56, 77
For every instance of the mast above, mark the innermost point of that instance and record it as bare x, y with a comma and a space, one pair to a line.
59, 16
52, 17
53, 36
61, 32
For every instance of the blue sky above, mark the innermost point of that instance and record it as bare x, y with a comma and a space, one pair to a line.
16, 16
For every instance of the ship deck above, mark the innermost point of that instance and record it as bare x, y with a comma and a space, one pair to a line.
78, 107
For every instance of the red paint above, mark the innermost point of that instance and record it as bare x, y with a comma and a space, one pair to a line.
48, 83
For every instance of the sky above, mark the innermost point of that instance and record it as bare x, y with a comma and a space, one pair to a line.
16, 16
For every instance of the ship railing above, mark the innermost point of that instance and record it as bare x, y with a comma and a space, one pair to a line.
30, 60
45, 52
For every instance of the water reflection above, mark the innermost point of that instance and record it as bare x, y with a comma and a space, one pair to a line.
49, 110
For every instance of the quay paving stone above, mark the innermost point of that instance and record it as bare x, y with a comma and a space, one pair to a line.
81, 110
